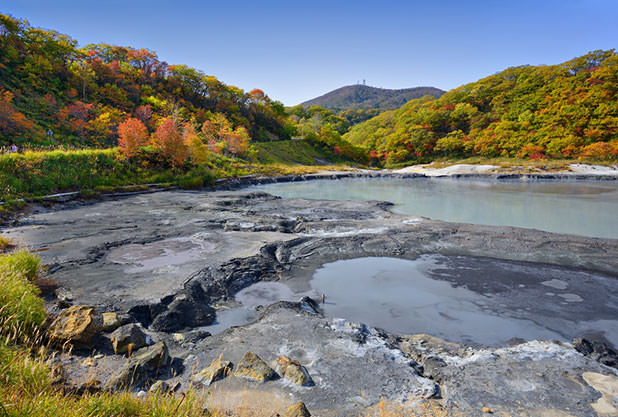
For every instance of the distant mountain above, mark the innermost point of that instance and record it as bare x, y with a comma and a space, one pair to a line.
365, 97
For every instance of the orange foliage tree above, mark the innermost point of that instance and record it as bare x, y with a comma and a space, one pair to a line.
12, 122
198, 152
132, 134
223, 138
169, 142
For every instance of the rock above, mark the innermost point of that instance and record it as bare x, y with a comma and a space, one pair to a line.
64, 295
141, 394
76, 325
110, 321
293, 371
252, 367
597, 348
297, 410
432, 366
128, 338
179, 338
143, 365
183, 313
89, 362
160, 387
218, 369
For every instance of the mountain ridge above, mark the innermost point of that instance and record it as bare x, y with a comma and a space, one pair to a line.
360, 96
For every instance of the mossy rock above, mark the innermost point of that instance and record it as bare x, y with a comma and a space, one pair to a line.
293, 371
297, 410
218, 369
251, 366
76, 325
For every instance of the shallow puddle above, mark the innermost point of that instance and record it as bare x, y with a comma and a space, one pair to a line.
462, 299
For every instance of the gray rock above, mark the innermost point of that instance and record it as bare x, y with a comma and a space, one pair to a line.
128, 338
182, 313
142, 366
218, 369
597, 348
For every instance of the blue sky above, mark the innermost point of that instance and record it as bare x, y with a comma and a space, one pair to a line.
295, 51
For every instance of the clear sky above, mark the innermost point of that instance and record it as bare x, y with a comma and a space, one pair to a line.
296, 50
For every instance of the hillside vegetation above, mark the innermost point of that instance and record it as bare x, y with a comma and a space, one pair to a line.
53, 92
354, 97
568, 110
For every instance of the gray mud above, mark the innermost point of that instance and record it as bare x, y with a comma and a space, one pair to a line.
171, 260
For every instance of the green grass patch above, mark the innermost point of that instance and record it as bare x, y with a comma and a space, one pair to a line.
21, 308
292, 152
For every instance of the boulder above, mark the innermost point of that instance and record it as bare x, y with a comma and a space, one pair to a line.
218, 369
293, 371
128, 338
598, 348
252, 367
142, 366
76, 325
183, 313
297, 410
111, 322
64, 297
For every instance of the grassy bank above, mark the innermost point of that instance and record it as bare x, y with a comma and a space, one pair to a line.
32, 174
26, 379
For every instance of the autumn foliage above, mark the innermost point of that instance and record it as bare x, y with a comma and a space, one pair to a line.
168, 140
568, 110
83, 94
132, 134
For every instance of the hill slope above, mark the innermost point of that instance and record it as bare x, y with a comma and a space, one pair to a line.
566, 110
82, 94
365, 97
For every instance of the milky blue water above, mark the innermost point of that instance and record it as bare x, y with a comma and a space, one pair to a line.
586, 208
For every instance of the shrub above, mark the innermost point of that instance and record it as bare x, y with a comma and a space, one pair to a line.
601, 150
132, 134
5, 242
23, 263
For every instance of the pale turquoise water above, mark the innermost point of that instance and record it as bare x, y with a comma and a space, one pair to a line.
586, 208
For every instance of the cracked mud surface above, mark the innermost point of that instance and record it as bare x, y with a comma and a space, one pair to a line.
167, 259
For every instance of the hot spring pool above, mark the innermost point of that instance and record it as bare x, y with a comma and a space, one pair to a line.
585, 208
459, 298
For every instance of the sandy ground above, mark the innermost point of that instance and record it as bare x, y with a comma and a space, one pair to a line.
450, 170
466, 169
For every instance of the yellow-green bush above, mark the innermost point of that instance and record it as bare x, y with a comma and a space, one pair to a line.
21, 308
24, 263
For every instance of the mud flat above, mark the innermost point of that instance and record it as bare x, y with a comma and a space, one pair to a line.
172, 261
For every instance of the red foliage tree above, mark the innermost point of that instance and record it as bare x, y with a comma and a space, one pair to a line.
132, 134
169, 141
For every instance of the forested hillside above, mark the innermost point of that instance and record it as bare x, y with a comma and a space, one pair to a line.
564, 111
354, 97
52, 92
